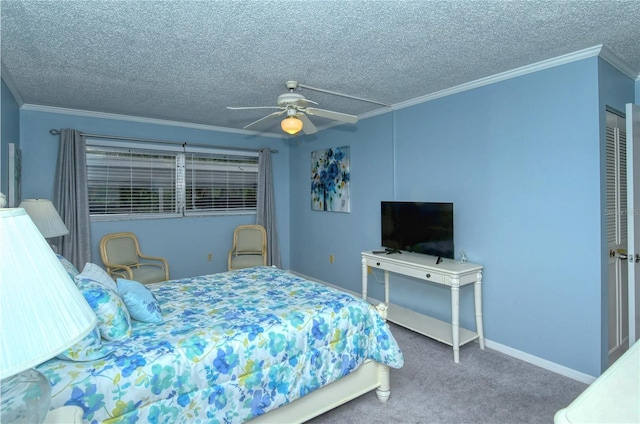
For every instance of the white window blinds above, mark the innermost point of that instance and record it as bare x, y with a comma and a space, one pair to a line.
220, 182
134, 183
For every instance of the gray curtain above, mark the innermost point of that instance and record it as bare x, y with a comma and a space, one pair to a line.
266, 213
71, 198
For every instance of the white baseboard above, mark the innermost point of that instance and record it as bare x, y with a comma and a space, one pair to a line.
542, 363
523, 356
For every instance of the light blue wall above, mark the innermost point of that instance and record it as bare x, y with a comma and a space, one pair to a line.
616, 89
315, 235
185, 242
10, 132
520, 159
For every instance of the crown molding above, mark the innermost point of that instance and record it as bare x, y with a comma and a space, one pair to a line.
381, 111
139, 119
609, 56
523, 70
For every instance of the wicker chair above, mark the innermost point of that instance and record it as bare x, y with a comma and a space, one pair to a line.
249, 247
122, 258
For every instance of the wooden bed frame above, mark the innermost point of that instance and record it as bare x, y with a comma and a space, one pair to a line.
371, 375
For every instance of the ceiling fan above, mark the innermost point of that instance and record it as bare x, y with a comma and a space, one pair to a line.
297, 108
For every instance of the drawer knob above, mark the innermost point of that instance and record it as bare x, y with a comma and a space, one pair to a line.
428, 275
377, 263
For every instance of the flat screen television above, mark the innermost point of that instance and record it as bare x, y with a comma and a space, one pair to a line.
421, 227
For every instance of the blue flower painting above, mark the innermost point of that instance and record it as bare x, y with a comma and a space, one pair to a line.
330, 180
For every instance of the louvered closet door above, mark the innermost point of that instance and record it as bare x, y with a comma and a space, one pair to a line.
616, 213
633, 229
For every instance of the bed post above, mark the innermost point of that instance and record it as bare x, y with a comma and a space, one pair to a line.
384, 390
382, 310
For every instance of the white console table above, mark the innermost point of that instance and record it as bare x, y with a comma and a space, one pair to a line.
448, 273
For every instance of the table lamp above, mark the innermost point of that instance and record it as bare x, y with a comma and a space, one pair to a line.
42, 313
44, 215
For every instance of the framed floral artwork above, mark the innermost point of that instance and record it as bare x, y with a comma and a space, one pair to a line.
330, 177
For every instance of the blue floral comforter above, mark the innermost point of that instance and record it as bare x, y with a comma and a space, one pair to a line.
231, 346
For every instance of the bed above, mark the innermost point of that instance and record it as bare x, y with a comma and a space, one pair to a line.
256, 344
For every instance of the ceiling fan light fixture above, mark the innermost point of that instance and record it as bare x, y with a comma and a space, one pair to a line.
291, 125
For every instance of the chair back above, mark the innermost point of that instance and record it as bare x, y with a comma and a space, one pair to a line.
250, 239
249, 247
121, 248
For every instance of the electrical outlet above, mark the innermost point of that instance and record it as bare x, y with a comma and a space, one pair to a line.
330, 259
210, 257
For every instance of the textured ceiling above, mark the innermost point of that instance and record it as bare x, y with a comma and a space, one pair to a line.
187, 60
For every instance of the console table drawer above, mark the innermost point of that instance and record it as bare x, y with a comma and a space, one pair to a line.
426, 275
409, 271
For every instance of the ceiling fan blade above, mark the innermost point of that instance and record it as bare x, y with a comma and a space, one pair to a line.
307, 125
271, 115
305, 102
343, 117
252, 107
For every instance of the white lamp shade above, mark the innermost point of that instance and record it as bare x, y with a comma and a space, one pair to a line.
42, 312
45, 216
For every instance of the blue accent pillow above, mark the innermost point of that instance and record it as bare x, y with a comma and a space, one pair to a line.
88, 349
114, 321
141, 303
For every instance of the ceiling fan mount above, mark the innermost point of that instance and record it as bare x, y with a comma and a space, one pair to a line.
296, 106
291, 85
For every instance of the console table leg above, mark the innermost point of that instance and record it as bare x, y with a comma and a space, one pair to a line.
364, 278
455, 321
477, 292
386, 287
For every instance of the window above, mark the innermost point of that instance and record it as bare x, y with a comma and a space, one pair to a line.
220, 182
131, 182
135, 183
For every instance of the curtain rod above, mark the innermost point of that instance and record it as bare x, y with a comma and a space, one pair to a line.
149, 140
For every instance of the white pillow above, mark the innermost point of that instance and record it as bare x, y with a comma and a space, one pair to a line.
99, 275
